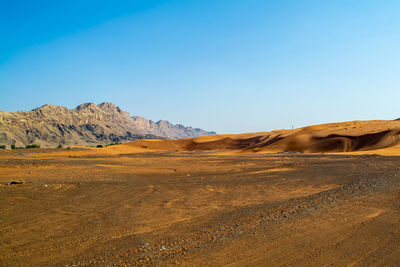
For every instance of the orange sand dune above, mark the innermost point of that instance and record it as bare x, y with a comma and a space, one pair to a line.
381, 137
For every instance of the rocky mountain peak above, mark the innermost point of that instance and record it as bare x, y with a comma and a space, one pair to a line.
49, 107
87, 106
110, 107
163, 123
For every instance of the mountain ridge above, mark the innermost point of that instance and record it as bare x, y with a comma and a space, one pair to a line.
86, 124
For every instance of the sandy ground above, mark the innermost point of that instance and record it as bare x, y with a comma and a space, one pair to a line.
106, 207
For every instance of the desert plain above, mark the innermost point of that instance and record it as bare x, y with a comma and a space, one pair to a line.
315, 196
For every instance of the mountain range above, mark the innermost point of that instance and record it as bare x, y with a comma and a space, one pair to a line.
87, 124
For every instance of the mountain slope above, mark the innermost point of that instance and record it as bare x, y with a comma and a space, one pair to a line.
87, 124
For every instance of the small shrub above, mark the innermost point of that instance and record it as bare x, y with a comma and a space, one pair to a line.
59, 146
32, 146
113, 144
13, 146
69, 148
3, 147
99, 146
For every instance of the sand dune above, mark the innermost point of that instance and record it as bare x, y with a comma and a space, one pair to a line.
354, 136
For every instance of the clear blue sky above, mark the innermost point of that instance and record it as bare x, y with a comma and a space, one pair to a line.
227, 65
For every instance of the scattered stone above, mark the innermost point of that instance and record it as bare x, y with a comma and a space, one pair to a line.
15, 182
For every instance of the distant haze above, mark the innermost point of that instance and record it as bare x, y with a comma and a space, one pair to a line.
229, 66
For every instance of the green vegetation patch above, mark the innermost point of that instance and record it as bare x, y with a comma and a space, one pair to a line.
32, 146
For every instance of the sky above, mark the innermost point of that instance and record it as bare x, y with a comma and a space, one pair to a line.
230, 66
